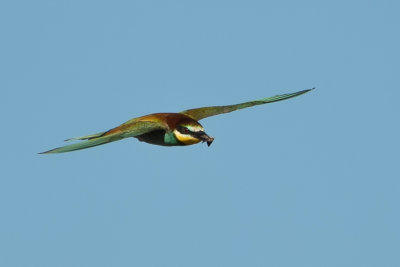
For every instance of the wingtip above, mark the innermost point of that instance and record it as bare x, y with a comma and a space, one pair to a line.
45, 152
305, 91
308, 90
51, 151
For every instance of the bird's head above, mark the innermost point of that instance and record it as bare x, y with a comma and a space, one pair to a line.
191, 132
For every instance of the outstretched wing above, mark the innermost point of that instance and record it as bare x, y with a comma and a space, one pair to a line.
201, 113
129, 129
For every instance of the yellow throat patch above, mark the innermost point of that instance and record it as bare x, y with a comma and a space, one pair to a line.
185, 138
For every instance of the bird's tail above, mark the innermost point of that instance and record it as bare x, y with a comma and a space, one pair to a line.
87, 137
92, 140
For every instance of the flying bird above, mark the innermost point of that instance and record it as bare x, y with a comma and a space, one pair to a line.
166, 129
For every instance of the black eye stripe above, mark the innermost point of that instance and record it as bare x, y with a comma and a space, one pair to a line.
183, 130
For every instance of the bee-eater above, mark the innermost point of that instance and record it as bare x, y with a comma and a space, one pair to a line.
166, 129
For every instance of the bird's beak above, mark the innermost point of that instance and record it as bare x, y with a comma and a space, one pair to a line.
205, 138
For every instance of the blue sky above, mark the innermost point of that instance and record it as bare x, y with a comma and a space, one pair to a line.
311, 181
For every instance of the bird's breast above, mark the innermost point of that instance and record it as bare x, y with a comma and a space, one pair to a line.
160, 137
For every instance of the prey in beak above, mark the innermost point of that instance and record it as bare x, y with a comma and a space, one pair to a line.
206, 138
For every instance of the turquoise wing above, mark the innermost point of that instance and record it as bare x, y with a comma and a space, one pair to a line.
135, 129
201, 113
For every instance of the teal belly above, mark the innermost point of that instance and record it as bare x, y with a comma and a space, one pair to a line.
160, 138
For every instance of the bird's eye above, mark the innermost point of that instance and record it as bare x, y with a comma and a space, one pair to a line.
183, 130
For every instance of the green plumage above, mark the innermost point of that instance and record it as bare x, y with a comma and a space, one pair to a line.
158, 128
86, 144
137, 129
170, 139
201, 113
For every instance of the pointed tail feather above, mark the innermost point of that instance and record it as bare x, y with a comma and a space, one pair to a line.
86, 137
85, 144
